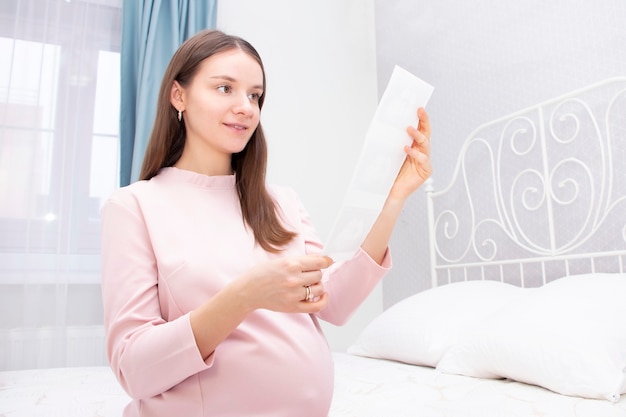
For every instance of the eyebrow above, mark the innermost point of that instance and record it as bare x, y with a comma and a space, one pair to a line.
233, 80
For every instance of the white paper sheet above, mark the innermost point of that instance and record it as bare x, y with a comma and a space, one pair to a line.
380, 160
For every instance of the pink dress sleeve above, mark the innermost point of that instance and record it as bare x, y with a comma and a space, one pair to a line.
147, 354
348, 283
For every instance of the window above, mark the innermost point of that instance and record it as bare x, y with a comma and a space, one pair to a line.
59, 141
59, 111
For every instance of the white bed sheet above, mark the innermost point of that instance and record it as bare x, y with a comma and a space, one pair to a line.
367, 387
61, 392
364, 387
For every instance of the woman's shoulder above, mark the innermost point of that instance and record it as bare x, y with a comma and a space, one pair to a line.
289, 202
129, 195
283, 194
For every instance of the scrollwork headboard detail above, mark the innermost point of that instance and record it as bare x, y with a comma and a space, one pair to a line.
538, 194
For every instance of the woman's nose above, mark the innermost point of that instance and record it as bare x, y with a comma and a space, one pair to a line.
243, 105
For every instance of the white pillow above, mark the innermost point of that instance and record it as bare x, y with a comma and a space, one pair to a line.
568, 336
419, 329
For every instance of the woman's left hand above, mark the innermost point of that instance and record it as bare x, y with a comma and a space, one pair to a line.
414, 172
416, 168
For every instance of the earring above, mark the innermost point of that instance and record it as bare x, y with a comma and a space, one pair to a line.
180, 115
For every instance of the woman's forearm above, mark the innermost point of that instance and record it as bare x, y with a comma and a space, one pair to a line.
377, 240
217, 318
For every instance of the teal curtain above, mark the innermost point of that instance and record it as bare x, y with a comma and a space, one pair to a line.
152, 30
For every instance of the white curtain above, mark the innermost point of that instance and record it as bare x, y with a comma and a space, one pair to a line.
59, 152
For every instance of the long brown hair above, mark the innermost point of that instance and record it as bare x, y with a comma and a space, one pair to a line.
167, 139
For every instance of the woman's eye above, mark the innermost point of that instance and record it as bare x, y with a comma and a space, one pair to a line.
224, 88
255, 97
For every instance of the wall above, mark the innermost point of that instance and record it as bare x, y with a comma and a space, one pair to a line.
320, 61
487, 59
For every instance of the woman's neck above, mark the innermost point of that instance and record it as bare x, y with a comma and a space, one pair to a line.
205, 166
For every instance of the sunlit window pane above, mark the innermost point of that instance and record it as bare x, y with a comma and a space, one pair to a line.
104, 177
6, 51
22, 190
107, 109
28, 83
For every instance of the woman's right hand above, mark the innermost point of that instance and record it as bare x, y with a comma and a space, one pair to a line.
281, 284
278, 285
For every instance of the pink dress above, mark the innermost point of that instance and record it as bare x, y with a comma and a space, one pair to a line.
168, 245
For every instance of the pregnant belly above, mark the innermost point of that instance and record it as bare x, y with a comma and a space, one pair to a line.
273, 365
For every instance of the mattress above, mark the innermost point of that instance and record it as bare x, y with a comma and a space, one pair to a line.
364, 387
61, 392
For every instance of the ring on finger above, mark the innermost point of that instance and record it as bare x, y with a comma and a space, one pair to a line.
309, 293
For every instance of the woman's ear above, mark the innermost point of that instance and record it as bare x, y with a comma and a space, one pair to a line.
176, 96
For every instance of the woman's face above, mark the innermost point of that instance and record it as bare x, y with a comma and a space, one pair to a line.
220, 107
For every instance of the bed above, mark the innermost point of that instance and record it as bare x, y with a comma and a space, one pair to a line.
527, 311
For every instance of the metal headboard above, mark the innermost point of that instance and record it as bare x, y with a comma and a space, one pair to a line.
538, 194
